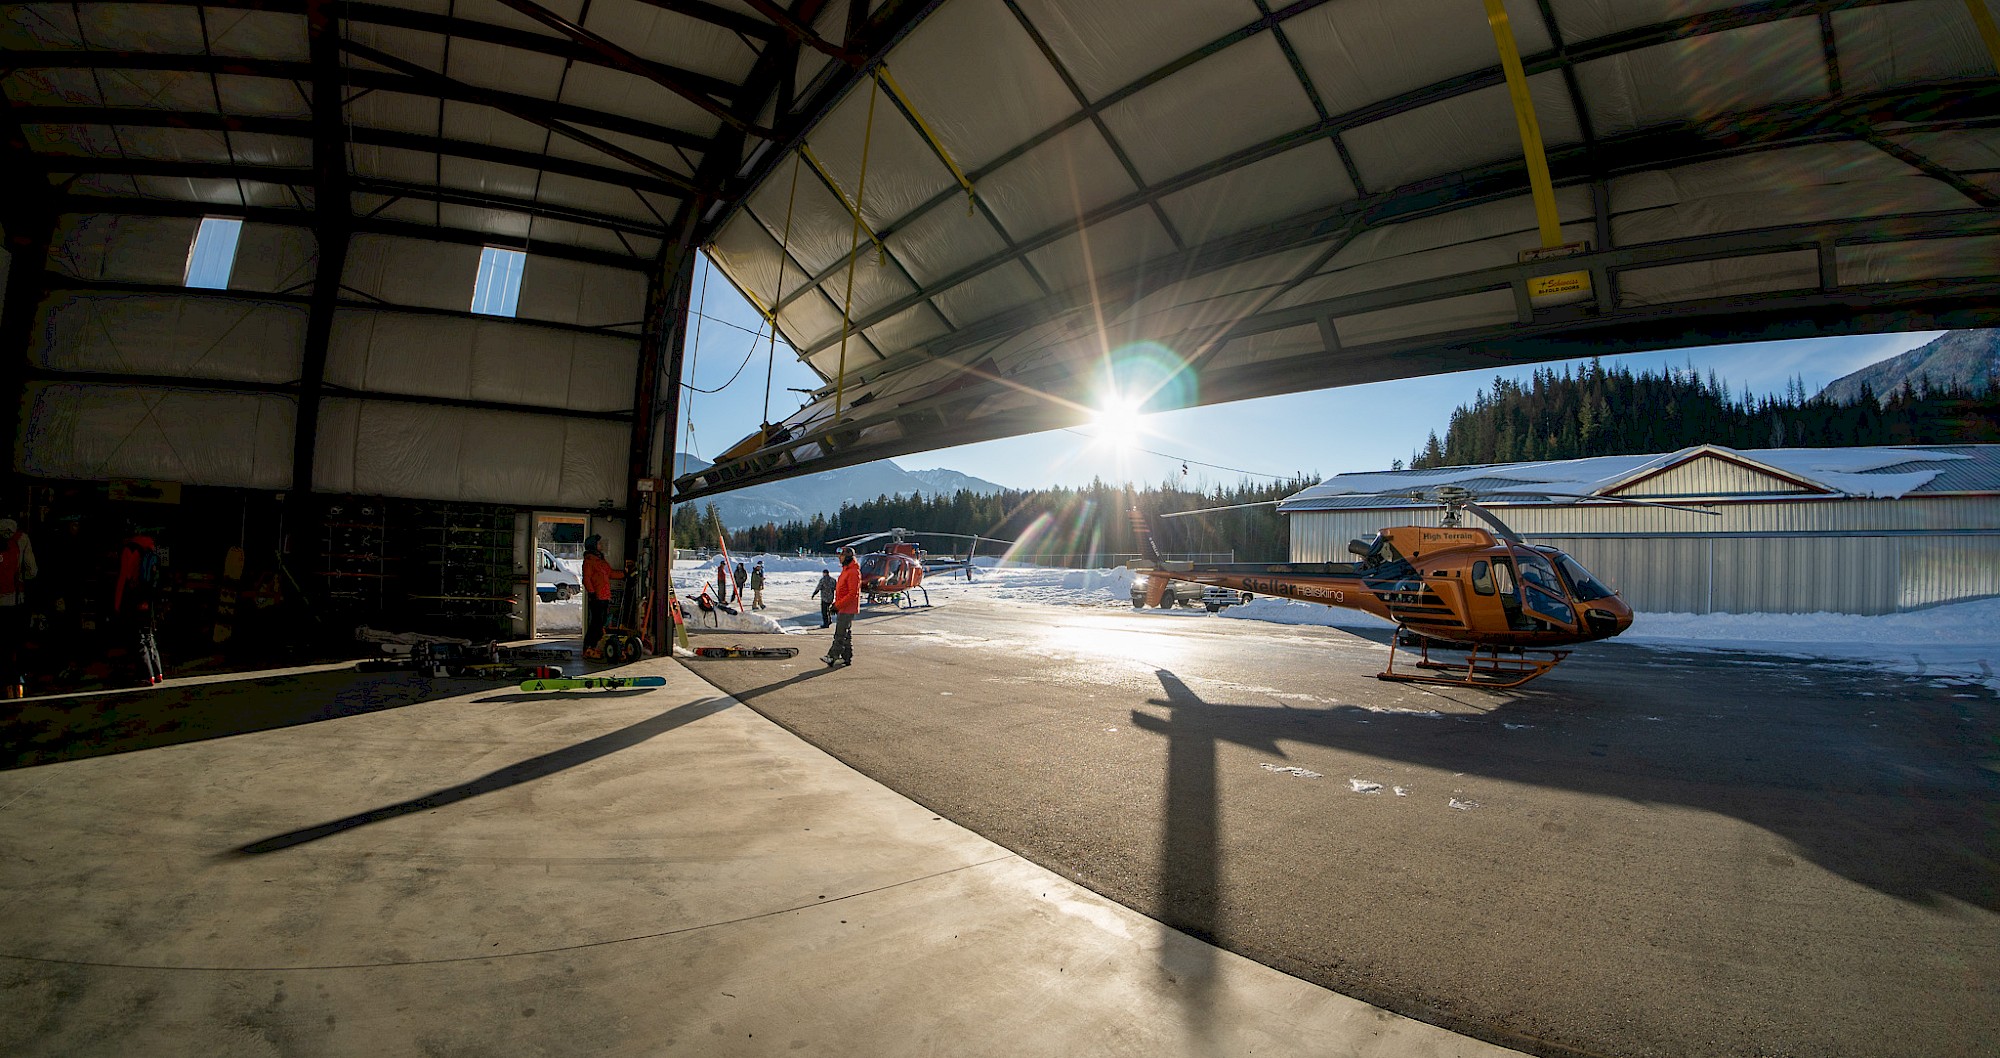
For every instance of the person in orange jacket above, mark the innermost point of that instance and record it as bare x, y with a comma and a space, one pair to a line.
596, 595
846, 603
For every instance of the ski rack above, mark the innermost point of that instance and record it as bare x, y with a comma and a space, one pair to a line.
1486, 667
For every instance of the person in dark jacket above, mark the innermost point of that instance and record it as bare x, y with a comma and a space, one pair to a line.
742, 577
824, 593
757, 585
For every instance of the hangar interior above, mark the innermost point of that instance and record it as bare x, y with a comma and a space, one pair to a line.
464, 235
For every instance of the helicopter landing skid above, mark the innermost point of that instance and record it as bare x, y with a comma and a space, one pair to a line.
907, 598
1481, 668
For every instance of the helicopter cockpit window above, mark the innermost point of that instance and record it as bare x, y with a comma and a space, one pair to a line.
872, 565
1584, 586
1482, 578
1543, 594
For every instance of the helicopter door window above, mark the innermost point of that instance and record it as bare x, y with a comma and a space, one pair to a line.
1482, 578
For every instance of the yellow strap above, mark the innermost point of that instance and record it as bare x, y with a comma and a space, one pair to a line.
853, 206
1539, 183
853, 249
1988, 32
924, 128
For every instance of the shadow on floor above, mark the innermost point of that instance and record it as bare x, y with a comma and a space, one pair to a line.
512, 775
74, 727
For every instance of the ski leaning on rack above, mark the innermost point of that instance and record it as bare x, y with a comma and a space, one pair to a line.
746, 652
594, 683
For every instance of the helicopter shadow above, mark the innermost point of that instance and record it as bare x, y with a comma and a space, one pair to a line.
1887, 786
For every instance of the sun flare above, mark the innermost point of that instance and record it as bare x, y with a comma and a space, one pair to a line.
1119, 422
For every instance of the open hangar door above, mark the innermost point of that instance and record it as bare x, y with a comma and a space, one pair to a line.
1025, 209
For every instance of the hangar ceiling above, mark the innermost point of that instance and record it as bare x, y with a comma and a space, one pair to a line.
1196, 200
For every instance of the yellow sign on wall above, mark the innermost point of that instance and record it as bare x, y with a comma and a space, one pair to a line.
1559, 289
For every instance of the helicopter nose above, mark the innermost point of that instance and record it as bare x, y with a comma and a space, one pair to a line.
1607, 617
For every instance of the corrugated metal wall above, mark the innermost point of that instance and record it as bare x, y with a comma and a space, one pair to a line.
1708, 477
1841, 555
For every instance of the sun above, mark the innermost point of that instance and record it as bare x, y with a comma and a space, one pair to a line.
1119, 422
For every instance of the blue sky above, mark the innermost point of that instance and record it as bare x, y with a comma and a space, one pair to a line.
1324, 432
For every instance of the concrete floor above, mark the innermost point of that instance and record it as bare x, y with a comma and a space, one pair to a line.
327, 863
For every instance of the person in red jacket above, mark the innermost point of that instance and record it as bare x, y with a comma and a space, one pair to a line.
846, 603
596, 595
17, 568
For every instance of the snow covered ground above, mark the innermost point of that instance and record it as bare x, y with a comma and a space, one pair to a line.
1958, 641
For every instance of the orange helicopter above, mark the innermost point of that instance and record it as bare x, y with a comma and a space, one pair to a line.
1507, 607
896, 573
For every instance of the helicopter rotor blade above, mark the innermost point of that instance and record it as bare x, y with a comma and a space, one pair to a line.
852, 540
1625, 500
957, 536
1230, 507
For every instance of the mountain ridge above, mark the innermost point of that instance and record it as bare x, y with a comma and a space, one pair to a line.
798, 499
1970, 358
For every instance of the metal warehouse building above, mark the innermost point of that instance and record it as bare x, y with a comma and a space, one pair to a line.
1845, 530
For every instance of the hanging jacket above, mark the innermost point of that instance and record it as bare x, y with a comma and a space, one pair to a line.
138, 574
17, 568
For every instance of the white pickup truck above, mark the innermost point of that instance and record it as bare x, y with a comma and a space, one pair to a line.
1187, 593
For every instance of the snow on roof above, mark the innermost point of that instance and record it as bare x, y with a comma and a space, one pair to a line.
1874, 473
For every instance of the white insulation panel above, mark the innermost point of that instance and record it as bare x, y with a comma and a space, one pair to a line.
185, 335
479, 358
385, 448
195, 437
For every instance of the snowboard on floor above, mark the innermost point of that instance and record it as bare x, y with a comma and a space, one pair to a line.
746, 652
594, 683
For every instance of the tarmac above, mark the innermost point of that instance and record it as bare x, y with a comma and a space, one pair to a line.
649, 872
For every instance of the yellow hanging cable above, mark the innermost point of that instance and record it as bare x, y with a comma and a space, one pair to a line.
853, 210
853, 249
1539, 183
778, 291
924, 129
1983, 19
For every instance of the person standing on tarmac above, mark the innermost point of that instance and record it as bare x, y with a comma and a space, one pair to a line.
596, 595
757, 585
824, 593
846, 603
742, 576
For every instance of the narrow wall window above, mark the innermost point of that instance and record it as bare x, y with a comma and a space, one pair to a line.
213, 253
498, 287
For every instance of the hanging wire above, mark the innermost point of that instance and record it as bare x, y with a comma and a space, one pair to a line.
694, 356
737, 373
1186, 462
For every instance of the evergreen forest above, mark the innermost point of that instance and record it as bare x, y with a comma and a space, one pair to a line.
1595, 412
1091, 526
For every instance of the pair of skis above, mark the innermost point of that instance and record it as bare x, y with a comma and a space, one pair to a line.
594, 683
